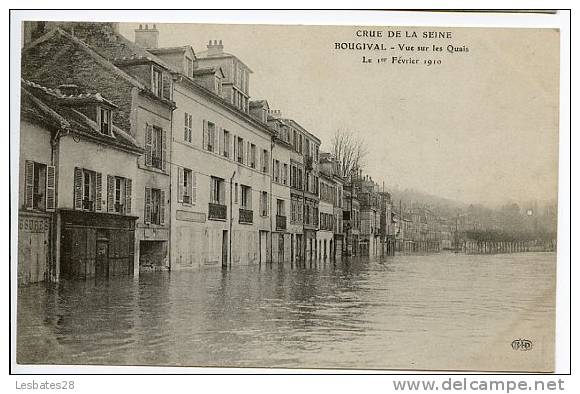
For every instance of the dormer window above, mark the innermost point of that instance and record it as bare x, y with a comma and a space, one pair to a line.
189, 66
104, 120
157, 82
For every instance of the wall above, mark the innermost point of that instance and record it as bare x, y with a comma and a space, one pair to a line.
35, 146
96, 157
195, 240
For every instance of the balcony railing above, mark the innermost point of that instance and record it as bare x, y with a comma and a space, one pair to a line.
217, 211
246, 216
280, 222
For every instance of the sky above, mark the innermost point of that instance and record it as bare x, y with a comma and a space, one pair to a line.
481, 127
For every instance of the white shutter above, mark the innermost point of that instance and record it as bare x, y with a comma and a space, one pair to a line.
128, 192
148, 145
110, 193
235, 148
180, 176
29, 184
211, 189
78, 188
222, 191
147, 205
193, 187
163, 150
162, 207
98, 191
222, 147
204, 135
50, 188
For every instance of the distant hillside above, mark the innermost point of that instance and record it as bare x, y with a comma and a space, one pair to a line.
441, 206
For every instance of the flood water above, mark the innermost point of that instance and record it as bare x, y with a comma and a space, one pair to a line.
440, 311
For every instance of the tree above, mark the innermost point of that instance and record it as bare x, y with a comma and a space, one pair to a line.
350, 151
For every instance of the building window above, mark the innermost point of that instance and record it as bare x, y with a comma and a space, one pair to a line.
105, 121
240, 150
188, 123
88, 190
236, 193
189, 66
276, 171
280, 207
246, 198
157, 147
226, 143
210, 137
265, 161
185, 186
119, 195
39, 193
285, 174
217, 190
156, 206
264, 203
157, 82
253, 156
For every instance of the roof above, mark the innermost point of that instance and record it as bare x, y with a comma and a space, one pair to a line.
51, 109
299, 126
204, 55
181, 48
78, 99
208, 70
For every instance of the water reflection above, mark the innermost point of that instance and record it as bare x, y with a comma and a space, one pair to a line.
402, 312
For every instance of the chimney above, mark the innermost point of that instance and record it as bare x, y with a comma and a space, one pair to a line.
147, 37
214, 48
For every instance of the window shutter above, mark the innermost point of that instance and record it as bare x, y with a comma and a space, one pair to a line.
50, 188
148, 144
98, 191
248, 153
147, 205
235, 149
222, 191
211, 189
222, 142
193, 187
205, 138
128, 190
185, 128
167, 86
110, 193
162, 207
78, 188
180, 176
163, 149
215, 139
29, 184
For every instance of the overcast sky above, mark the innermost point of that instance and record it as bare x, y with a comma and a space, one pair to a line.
479, 128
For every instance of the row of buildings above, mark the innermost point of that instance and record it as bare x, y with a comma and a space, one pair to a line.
135, 157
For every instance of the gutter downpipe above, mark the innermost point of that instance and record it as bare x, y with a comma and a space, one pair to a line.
231, 219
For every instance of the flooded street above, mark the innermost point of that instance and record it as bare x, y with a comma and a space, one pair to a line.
422, 312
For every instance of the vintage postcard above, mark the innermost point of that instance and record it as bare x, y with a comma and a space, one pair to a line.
287, 196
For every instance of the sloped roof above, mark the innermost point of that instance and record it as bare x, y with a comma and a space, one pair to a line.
81, 98
53, 110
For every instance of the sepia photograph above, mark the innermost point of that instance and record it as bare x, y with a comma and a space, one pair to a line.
294, 196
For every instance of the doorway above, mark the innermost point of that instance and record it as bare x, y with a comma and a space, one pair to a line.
224, 248
280, 248
102, 259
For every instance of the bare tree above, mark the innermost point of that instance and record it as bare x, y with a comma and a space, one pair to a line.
350, 151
